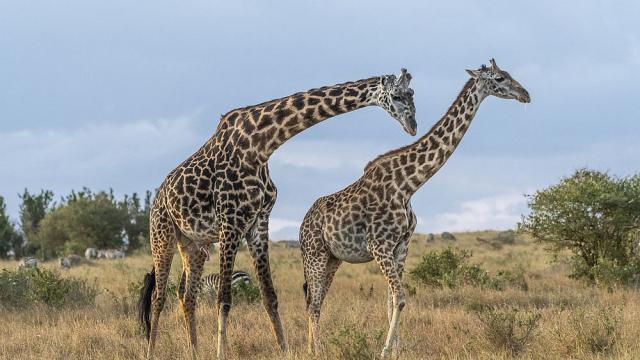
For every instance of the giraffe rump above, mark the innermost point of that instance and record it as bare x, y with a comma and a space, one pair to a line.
144, 303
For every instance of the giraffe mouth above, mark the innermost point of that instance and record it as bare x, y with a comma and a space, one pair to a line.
524, 97
409, 125
411, 132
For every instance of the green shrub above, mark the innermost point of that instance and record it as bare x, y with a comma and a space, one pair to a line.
352, 344
510, 330
449, 268
26, 287
440, 268
245, 293
240, 293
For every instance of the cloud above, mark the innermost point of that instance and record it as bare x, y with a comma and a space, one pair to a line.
132, 156
324, 154
497, 212
277, 224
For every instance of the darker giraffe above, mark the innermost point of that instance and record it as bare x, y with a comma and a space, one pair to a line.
223, 193
372, 218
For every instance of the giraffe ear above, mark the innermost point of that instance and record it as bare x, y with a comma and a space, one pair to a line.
474, 73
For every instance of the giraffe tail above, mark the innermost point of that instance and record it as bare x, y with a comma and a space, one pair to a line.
144, 304
306, 297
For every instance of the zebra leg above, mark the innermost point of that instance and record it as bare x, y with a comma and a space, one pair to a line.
163, 241
193, 261
258, 244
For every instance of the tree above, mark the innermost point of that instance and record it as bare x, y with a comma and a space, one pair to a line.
10, 239
32, 210
590, 213
83, 220
137, 228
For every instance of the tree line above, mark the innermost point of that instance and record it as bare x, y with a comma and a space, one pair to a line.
81, 219
592, 214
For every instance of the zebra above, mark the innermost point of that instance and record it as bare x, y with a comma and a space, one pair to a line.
209, 282
28, 262
91, 253
110, 254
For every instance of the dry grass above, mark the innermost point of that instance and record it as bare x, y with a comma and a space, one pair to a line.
576, 321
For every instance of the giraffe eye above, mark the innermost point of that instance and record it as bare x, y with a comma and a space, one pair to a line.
499, 79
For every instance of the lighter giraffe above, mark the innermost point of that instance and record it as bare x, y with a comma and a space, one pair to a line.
372, 218
223, 193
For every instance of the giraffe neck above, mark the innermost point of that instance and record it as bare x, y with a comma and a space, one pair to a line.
411, 166
262, 128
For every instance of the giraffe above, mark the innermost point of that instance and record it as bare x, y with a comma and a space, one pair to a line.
223, 193
372, 218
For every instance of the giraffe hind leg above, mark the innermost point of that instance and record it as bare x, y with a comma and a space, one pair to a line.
228, 249
162, 248
259, 248
193, 261
319, 271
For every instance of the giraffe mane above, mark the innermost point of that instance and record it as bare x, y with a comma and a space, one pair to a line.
278, 100
399, 150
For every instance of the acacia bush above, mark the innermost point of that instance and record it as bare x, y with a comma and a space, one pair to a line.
596, 217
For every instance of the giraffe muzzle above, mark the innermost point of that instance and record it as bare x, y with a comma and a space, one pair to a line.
409, 124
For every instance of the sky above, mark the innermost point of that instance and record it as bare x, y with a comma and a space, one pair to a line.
116, 94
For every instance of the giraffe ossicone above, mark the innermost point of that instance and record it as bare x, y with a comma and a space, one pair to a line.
223, 193
372, 219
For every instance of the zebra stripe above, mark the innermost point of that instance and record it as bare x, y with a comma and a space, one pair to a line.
210, 282
28, 262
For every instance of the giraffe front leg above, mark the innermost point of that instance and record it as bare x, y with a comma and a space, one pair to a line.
400, 255
387, 263
258, 244
229, 242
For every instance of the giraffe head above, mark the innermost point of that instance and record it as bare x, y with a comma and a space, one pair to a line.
396, 98
498, 82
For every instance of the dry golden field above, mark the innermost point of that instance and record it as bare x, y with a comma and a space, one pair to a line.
576, 321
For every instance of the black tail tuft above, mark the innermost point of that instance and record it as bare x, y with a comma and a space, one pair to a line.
306, 298
144, 304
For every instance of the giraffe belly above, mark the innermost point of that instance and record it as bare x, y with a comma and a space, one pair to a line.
203, 234
350, 247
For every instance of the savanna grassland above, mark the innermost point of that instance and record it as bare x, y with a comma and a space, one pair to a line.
546, 316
